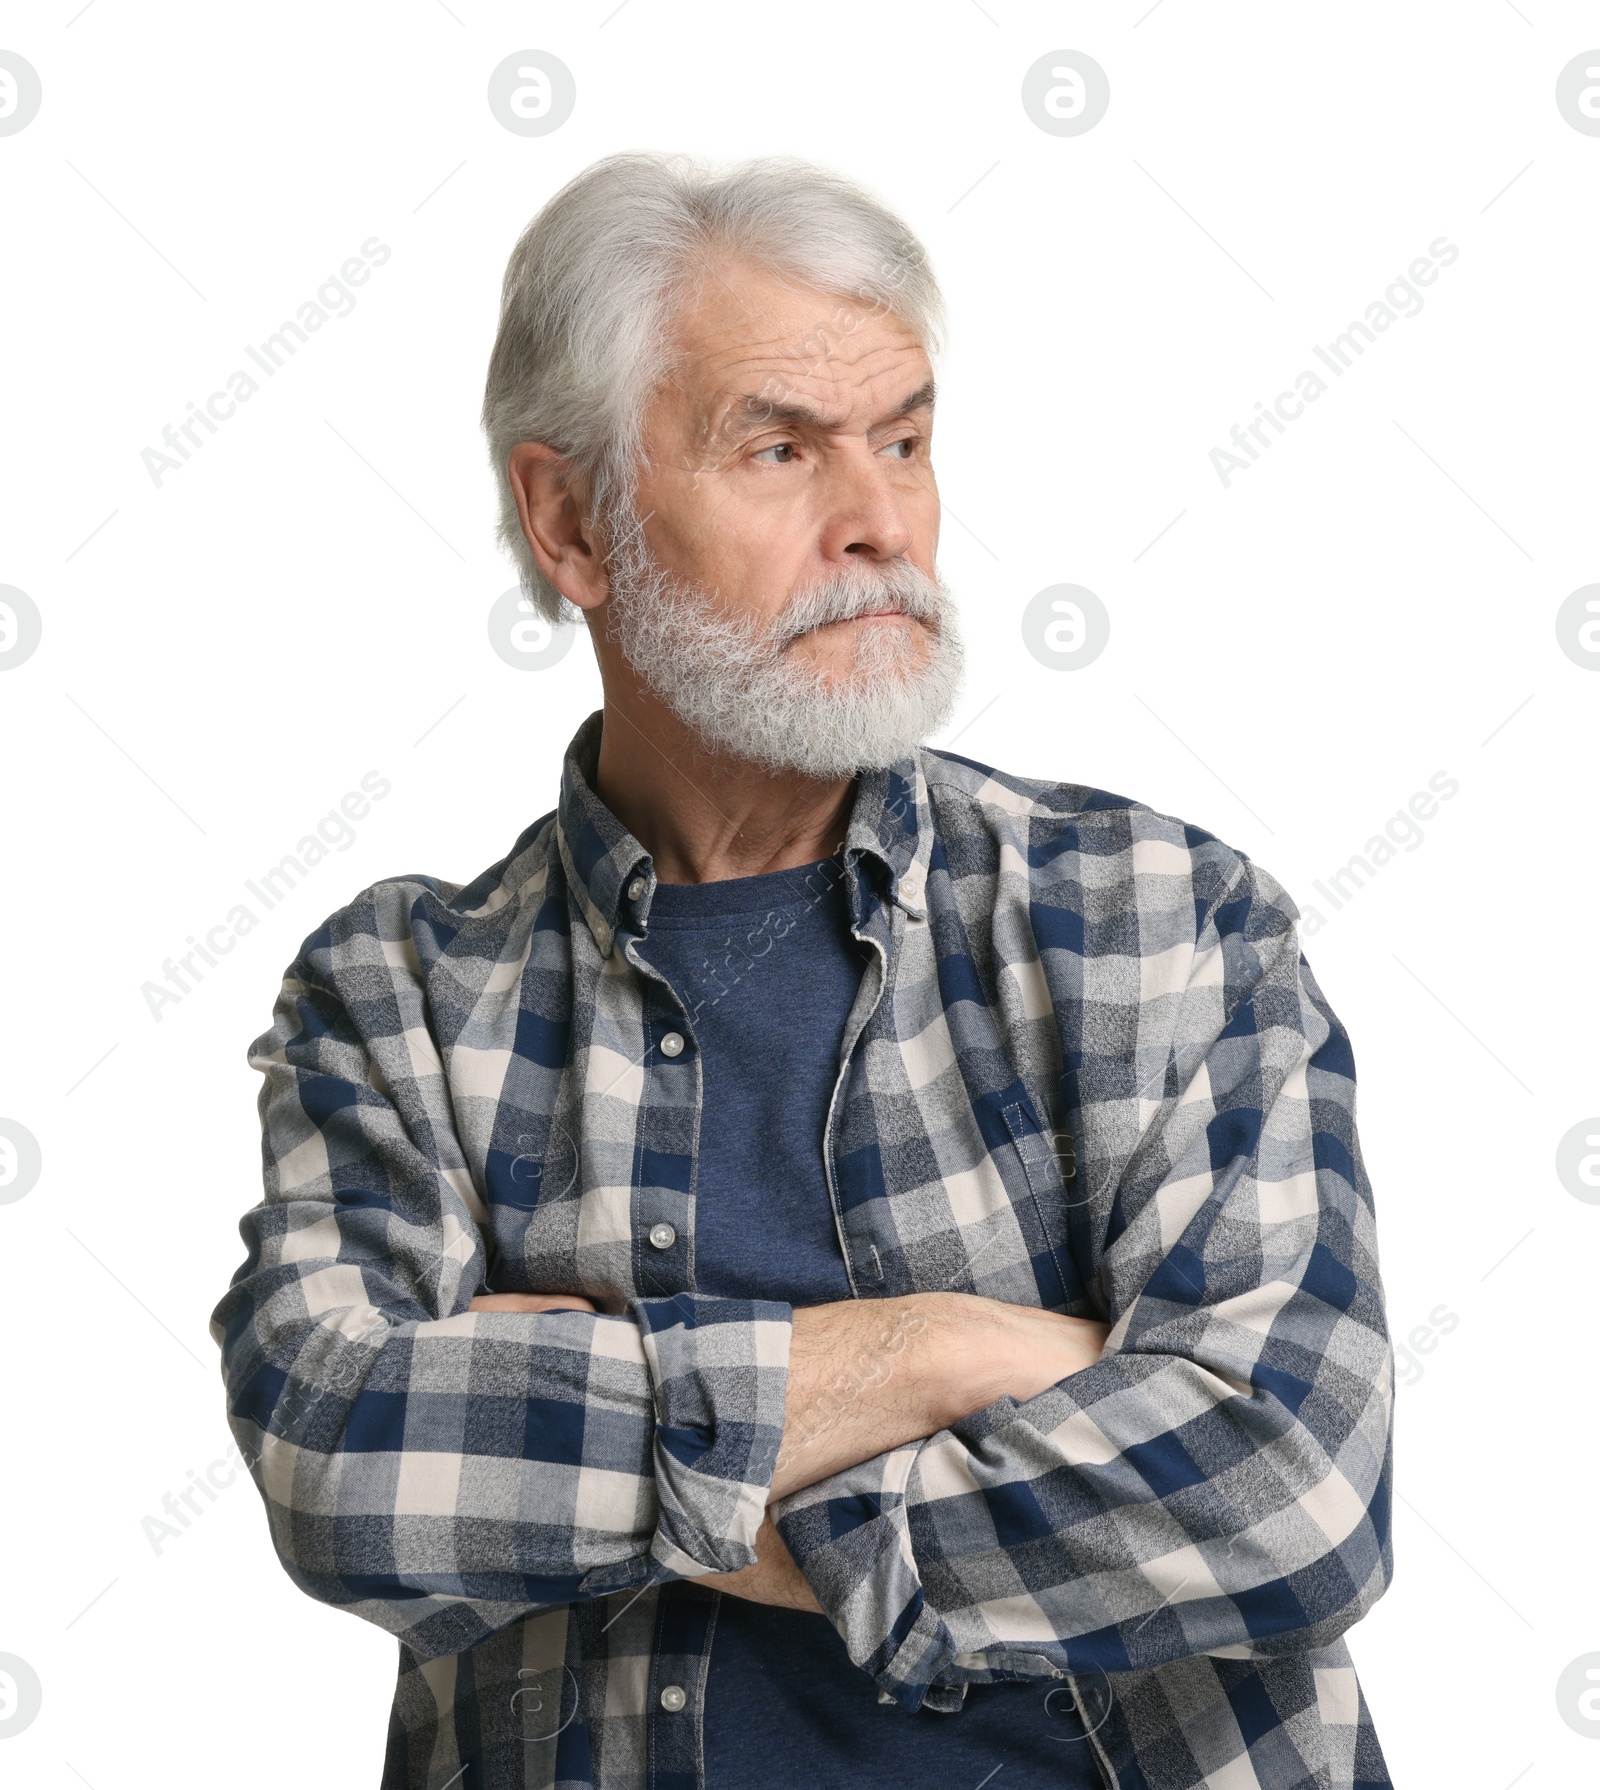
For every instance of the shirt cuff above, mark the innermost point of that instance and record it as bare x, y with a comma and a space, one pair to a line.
719, 1370
851, 1538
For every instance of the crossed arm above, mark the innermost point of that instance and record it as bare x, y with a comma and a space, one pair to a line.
930, 1360
993, 1492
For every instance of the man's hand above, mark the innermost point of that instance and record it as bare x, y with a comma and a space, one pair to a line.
774, 1579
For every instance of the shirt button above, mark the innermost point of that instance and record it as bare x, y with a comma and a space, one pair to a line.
636, 888
663, 1236
673, 1699
672, 1044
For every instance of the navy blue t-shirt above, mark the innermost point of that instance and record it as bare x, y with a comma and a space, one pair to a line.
767, 969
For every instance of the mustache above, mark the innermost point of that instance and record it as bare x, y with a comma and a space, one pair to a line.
897, 586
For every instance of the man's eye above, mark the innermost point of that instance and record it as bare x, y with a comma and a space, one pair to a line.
906, 441
778, 447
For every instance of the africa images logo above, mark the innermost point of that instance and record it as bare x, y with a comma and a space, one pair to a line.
1401, 299
332, 299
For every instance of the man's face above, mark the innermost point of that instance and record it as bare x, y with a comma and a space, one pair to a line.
791, 446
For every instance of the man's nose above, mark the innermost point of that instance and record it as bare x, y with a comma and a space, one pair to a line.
865, 515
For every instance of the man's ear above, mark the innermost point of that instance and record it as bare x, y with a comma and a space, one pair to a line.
555, 523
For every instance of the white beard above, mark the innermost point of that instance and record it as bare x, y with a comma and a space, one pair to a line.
733, 682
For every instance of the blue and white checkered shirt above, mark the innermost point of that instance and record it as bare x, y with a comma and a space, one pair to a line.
1088, 1069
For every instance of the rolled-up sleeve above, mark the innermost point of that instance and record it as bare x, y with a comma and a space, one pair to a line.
436, 1470
1218, 1482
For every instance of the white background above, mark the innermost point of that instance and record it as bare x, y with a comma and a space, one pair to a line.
225, 654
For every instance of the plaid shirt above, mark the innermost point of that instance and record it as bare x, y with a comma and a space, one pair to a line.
1088, 1070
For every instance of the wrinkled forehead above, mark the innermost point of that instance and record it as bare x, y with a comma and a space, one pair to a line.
750, 348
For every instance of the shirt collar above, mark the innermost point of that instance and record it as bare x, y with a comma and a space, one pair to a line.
890, 824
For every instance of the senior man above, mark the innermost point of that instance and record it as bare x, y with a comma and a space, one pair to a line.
828, 1264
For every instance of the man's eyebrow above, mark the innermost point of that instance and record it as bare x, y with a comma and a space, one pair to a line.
755, 412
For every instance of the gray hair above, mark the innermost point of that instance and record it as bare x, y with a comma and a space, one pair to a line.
586, 308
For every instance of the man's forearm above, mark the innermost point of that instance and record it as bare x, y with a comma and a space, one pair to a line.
869, 1375
864, 1376
774, 1579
